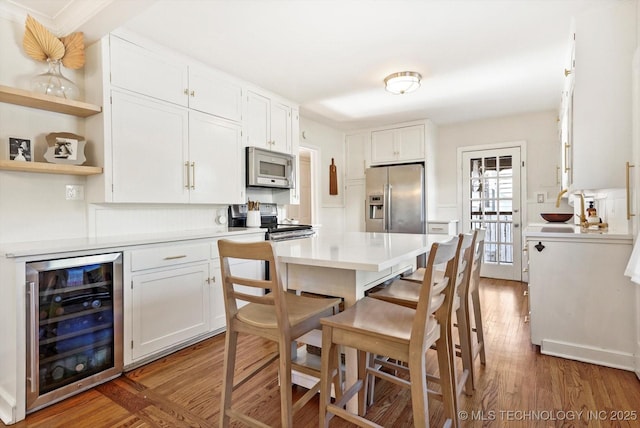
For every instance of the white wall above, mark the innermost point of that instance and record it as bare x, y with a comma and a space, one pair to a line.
33, 206
330, 144
539, 130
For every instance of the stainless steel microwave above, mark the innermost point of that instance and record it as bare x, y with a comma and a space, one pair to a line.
269, 169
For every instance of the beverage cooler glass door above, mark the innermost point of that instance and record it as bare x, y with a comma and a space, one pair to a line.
74, 326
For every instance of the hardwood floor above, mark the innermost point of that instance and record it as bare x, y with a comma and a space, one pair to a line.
519, 387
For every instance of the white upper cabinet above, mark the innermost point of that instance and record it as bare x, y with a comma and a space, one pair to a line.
403, 144
164, 153
601, 133
158, 150
357, 148
268, 123
145, 72
149, 149
209, 93
161, 76
173, 131
215, 147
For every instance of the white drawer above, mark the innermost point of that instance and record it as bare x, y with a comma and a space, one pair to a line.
438, 228
168, 256
449, 227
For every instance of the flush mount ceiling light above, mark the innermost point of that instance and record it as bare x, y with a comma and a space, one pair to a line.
402, 82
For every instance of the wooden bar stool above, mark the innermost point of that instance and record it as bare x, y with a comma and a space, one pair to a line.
376, 327
475, 345
406, 293
278, 316
474, 290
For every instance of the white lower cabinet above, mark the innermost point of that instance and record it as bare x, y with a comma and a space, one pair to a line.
170, 307
168, 303
582, 306
245, 268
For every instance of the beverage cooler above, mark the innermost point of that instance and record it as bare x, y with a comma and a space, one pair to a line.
74, 326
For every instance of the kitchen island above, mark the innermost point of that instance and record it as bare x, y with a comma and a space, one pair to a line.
347, 265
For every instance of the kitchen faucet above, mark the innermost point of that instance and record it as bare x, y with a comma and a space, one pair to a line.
583, 217
562, 192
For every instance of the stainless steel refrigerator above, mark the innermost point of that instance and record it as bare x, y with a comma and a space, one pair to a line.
395, 199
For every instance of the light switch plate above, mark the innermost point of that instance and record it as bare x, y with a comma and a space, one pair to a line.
74, 192
540, 197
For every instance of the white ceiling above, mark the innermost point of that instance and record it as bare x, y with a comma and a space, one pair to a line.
478, 58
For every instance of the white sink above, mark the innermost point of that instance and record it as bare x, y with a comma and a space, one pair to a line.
558, 229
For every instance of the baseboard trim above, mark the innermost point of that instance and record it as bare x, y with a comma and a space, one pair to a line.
7, 408
586, 354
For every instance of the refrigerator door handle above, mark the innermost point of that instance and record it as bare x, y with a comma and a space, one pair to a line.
389, 223
385, 201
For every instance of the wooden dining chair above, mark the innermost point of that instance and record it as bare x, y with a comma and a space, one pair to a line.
406, 293
376, 327
276, 315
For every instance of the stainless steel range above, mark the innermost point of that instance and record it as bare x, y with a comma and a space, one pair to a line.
274, 231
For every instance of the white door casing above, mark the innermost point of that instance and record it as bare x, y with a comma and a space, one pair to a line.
490, 183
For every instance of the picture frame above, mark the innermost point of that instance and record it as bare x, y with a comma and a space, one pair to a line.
20, 150
65, 148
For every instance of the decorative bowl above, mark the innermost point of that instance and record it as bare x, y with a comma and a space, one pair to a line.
556, 217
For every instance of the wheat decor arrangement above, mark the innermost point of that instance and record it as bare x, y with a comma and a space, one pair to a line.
40, 44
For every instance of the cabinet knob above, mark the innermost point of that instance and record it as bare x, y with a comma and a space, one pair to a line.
186, 91
567, 72
193, 93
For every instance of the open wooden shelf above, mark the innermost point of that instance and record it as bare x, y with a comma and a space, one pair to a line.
47, 102
50, 168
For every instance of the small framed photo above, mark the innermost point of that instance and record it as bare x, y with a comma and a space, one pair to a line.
66, 148
20, 149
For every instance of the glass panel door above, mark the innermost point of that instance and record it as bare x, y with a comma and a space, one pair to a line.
74, 325
491, 200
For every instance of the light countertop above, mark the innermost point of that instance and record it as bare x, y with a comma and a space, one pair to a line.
573, 232
367, 251
36, 248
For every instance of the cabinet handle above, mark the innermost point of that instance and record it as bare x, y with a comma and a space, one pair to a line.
186, 91
566, 157
629, 214
566, 73
182, 256
193, 93
557, 175
525, 270
193, 175
186, 165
